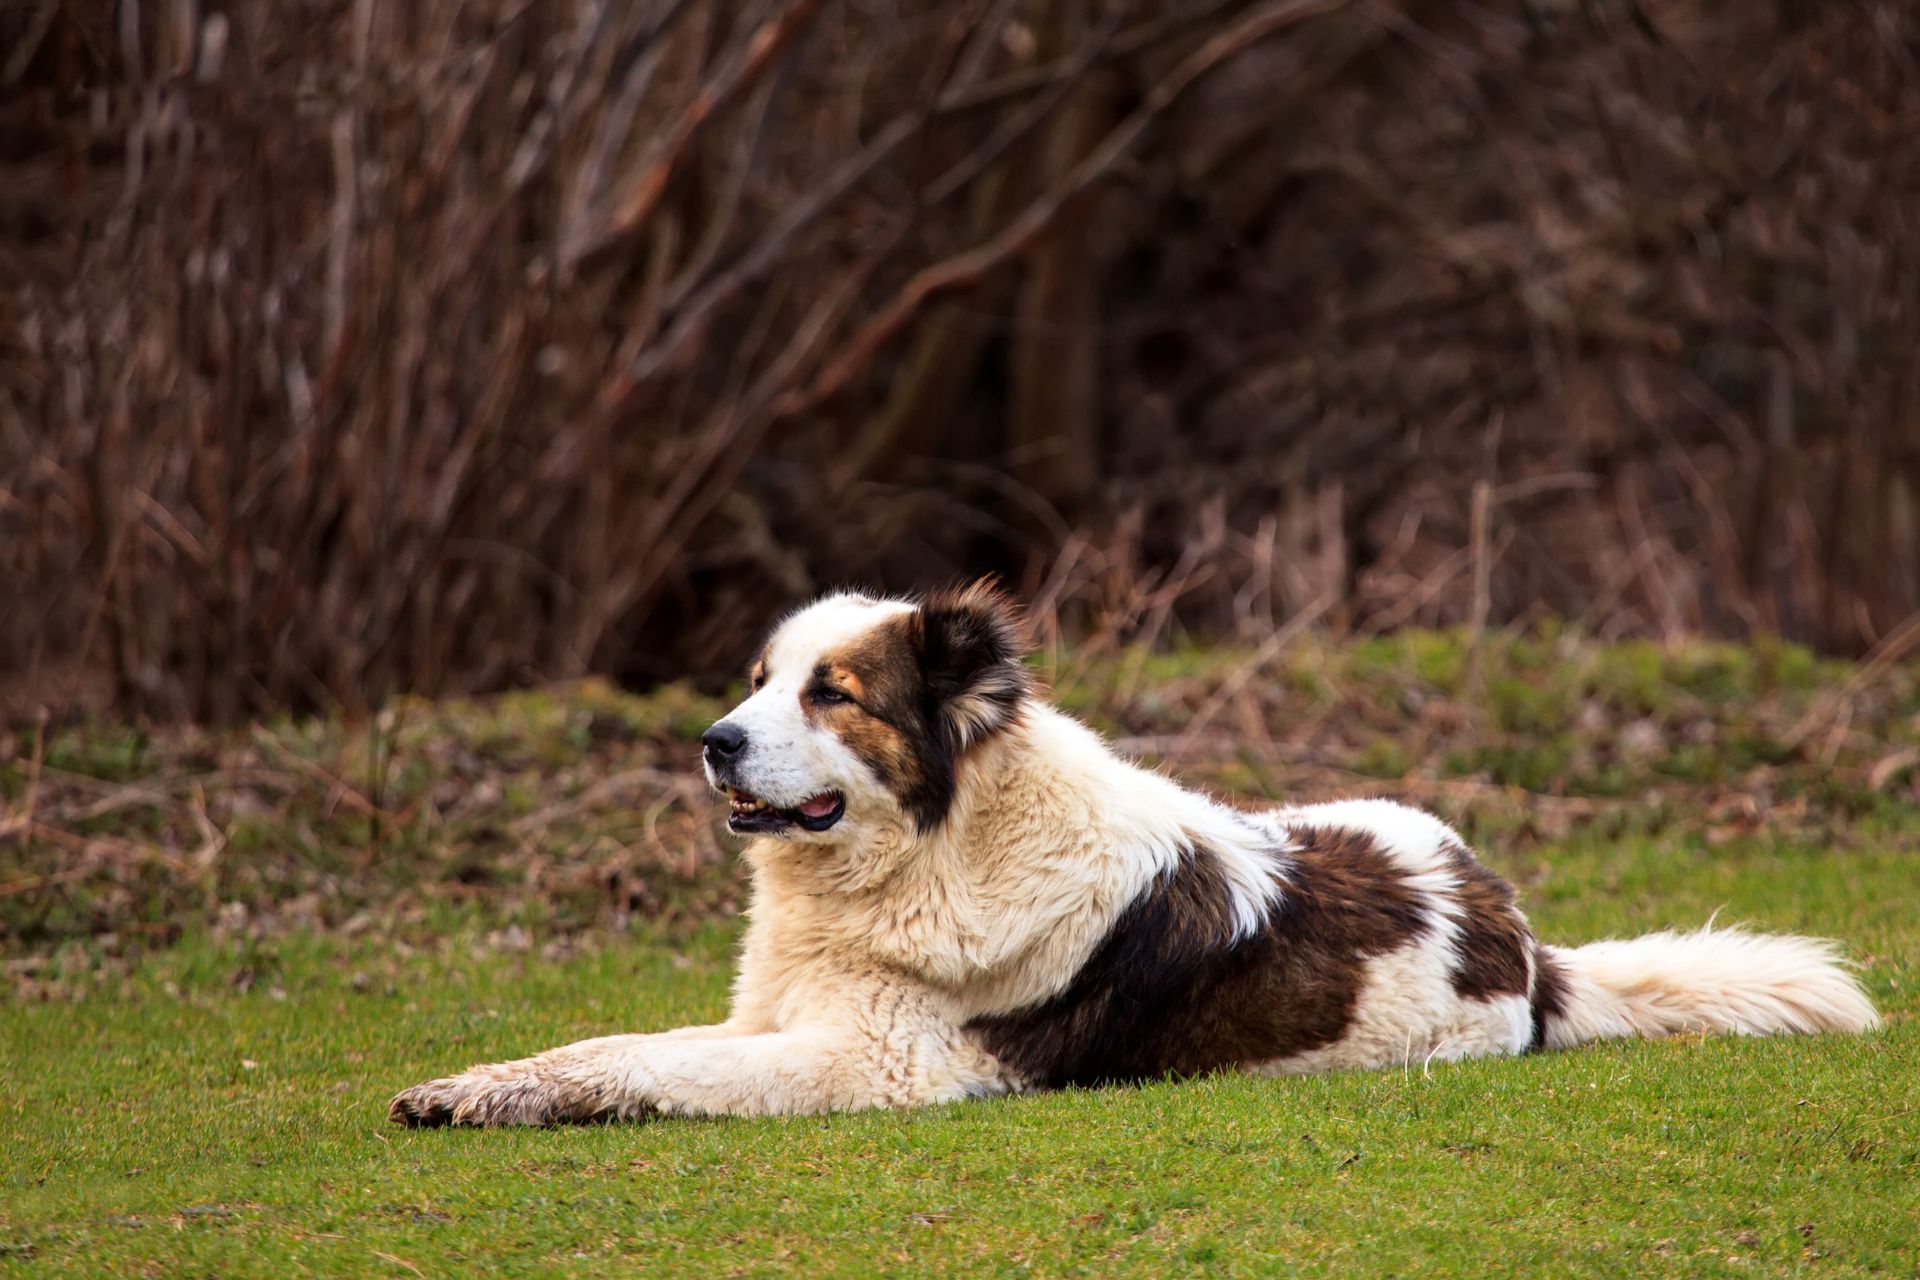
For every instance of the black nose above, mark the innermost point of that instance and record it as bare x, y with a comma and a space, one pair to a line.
724, 741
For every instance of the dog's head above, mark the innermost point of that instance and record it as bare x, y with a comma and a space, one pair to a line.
859, 712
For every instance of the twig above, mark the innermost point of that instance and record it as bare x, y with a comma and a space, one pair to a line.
600, 792
1269, 650
966, 269
1901, 641
693, 310
337, 786
749, 62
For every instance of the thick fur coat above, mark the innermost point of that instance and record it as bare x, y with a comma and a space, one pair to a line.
959, 891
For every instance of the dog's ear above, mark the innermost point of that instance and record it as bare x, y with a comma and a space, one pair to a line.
970, 641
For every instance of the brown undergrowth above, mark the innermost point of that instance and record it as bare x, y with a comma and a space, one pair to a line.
529, 818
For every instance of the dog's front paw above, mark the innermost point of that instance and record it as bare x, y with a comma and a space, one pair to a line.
482, 1098
426, 1105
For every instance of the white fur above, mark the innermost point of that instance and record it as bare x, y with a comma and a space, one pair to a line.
1155, 819
1714, 980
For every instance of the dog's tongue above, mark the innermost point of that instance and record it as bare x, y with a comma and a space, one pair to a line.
819, 807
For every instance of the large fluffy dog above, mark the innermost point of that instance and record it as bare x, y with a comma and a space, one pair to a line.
960, 891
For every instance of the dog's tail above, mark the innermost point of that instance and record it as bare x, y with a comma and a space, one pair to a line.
1713, 981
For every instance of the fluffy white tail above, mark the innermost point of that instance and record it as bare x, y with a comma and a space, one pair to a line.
1716, 980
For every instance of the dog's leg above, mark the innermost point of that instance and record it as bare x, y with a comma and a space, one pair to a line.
570, 1084
559, 1086
823, 1067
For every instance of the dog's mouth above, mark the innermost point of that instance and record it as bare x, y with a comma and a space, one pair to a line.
748, 814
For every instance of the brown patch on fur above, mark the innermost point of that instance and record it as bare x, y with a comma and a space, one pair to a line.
1495, 942
1550, 994
970, 642
879, 745
1169, 992
925, 687
885, 723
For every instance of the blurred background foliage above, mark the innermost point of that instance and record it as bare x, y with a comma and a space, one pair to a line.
353, 347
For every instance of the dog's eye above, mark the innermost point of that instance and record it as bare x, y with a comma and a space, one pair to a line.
757, 681
828, 696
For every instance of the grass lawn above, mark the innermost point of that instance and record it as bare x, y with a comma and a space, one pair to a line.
225, 954
183, 1126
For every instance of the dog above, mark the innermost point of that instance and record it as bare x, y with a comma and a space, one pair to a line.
959, 891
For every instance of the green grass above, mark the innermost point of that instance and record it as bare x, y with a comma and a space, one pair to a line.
217, 1108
